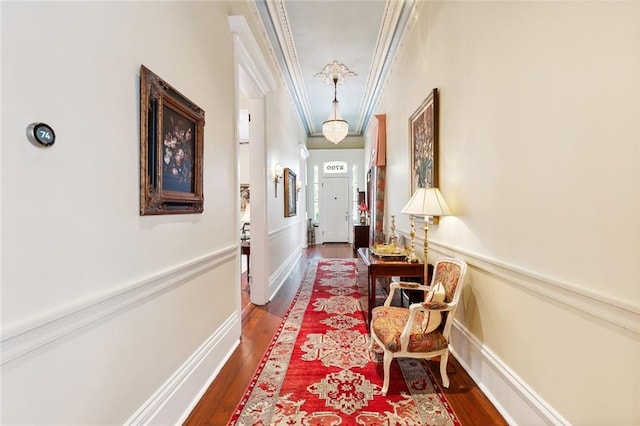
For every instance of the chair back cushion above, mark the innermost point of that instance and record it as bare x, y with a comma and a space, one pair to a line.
432, 319
448, 274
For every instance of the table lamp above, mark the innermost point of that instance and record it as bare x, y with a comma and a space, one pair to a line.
424, 202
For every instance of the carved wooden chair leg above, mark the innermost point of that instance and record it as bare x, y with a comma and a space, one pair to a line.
387, 368
443, 369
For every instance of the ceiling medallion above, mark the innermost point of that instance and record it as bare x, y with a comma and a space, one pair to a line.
335, 70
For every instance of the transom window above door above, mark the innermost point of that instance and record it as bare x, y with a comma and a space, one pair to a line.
335, 167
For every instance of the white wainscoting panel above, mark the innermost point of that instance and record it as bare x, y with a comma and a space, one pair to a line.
511, 395
48, 328
517, 403
175, 399
276, 280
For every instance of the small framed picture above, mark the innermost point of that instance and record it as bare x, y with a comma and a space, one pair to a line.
290, 193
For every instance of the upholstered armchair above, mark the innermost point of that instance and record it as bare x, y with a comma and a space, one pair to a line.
424, 329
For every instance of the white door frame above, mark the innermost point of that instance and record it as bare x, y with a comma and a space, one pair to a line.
253, 80
324, 208
302, 193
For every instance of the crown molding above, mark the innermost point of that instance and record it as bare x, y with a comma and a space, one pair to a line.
275, 20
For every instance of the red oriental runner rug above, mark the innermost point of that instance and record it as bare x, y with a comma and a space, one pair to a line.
318, 369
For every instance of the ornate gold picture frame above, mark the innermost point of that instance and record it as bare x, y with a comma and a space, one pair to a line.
171, 147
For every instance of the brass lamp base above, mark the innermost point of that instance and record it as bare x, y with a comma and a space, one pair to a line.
413, 257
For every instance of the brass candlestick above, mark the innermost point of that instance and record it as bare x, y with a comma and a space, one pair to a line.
413, 257
393, 225
393, 238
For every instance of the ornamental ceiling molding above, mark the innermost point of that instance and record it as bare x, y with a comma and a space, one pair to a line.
385, 50
285, 39
275, 21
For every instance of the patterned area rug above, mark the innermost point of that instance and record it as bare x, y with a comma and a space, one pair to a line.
318, 369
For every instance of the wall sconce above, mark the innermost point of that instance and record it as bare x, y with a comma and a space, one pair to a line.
278, 172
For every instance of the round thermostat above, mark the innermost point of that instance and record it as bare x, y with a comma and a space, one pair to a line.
41, 134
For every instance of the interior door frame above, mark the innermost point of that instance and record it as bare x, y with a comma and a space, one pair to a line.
253, 80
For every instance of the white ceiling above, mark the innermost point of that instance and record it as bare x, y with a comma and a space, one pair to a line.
306, 35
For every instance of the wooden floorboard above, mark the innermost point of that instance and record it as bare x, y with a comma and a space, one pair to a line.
259, 324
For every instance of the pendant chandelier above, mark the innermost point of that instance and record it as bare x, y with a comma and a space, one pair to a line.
335, 128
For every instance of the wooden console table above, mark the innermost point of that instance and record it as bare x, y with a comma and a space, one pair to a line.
360, 236
245, 248
381, 267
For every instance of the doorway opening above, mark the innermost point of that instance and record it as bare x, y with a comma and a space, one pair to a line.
253, 81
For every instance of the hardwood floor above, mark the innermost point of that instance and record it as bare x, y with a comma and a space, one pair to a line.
260, 324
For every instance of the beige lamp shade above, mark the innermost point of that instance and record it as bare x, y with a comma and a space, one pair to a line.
427, 202
424, 202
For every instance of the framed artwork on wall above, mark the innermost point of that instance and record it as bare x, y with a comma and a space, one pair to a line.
290, 193
171, 148
244, 196
423, 131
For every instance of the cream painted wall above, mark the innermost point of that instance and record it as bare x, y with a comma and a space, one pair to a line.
107, 315
91, 175
539, 160
283, 139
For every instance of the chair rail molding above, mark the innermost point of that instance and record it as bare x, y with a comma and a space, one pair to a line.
26, 337
615, 311
277, 232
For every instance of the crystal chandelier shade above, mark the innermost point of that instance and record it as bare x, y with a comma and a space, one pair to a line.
335, 128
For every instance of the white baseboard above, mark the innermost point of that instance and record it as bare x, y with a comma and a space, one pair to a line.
511, 396
175, 399
509, 393
277, 279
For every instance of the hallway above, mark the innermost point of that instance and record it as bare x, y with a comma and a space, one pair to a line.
260, 324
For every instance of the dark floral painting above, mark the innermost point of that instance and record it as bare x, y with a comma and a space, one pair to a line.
171, 149
178, 149
424, 144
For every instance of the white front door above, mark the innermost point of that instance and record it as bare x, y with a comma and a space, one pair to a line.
334, 210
